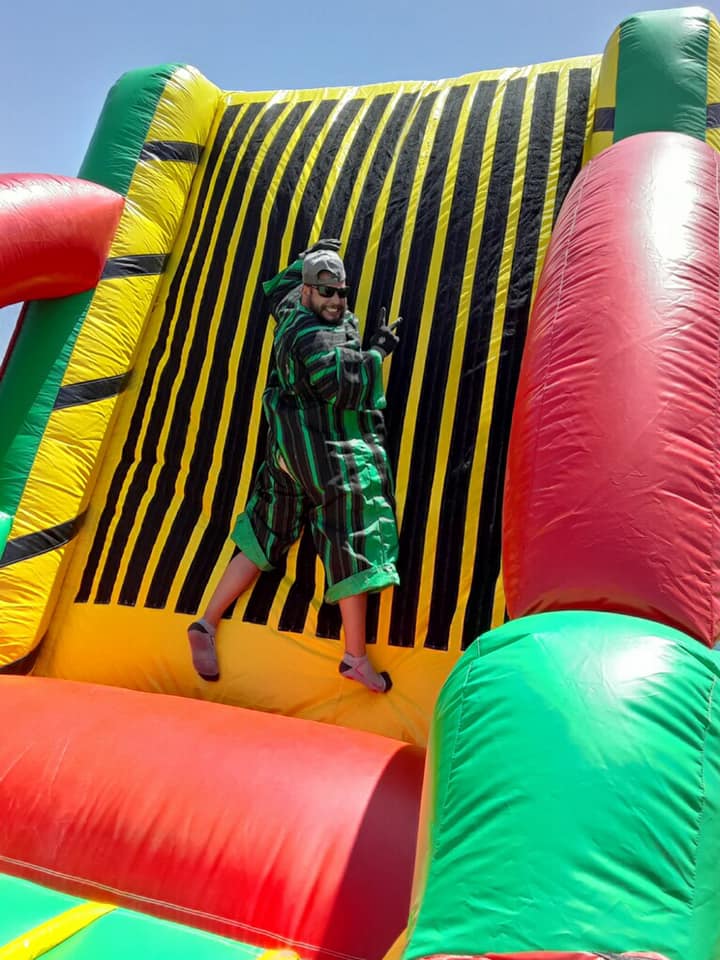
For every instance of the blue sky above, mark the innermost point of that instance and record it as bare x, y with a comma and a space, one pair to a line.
60, 59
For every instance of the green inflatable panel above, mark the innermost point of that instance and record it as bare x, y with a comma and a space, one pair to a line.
24, 905
573, 794
126, 935
119, 935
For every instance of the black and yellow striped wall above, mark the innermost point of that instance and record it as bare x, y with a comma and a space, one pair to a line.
444, 195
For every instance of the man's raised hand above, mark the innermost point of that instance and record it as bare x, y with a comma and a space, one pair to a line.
385, 338
329, 243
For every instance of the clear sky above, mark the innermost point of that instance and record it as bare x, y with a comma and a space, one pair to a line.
59, 59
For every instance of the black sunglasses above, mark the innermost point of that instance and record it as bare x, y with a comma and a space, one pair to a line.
329, 292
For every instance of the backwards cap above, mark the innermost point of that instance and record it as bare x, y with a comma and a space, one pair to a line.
322, 261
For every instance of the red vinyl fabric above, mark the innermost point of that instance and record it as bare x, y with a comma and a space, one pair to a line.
55, 233
272, 830
611, 499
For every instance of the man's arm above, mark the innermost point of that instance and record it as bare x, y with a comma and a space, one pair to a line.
285, 282
346, 376
282, 284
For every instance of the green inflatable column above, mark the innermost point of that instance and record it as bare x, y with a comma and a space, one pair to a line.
573, 794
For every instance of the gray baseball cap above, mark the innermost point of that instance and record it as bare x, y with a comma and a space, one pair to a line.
323, 261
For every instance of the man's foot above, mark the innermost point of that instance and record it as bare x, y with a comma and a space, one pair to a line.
360, 669
202, 644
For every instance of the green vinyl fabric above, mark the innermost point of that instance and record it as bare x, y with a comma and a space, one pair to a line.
24, 905
50, 328
126, 935
121, 934
572, 797
662, 81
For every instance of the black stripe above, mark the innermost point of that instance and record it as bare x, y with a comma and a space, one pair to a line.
302, 589
605, 119
321, 171
187, 377
578, 104
225, 484
713, 116
76, 394
430, 404
260, 603
300, 595
298, 602
379, 168
479, 609
342, 191
128, 451
383, 281
472, 379
412, 535
134, 265
172, 150
385, 273
34, 544
283, 193
329, 622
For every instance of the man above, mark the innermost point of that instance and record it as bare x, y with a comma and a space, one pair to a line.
325, 463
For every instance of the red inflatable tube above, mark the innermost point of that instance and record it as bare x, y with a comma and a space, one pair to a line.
55, 233
272, 830
611, 498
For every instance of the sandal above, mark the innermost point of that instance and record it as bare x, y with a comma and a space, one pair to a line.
202, 644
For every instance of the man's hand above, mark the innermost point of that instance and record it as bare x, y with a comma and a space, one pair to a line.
328, 244
385, 338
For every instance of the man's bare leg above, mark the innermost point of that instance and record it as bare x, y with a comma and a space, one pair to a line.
239, 575
355, 664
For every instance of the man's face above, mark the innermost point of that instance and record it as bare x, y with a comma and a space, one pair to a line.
329, 308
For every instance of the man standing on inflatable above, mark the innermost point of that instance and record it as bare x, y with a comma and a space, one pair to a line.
325, 462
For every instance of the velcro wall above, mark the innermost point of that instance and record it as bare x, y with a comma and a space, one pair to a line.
444, 195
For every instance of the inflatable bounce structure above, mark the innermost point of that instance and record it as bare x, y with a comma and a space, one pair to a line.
543, 780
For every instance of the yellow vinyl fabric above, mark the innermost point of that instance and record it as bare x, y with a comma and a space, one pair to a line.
100, 363
601, 135
444, 195
42, 938
713, 84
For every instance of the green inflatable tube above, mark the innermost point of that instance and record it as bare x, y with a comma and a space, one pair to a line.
573, 794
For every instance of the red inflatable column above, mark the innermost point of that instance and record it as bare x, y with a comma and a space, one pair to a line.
611, 500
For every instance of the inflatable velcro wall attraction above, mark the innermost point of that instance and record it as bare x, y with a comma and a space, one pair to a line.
542, 780
444, 195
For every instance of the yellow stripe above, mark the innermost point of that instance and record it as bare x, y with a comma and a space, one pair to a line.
283, 954
606, 95
367, 268
156, 198
396, 950
39, 940
452, 387
477, 472
54, 493
148, 344
233, 367
72, 442
713, 77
